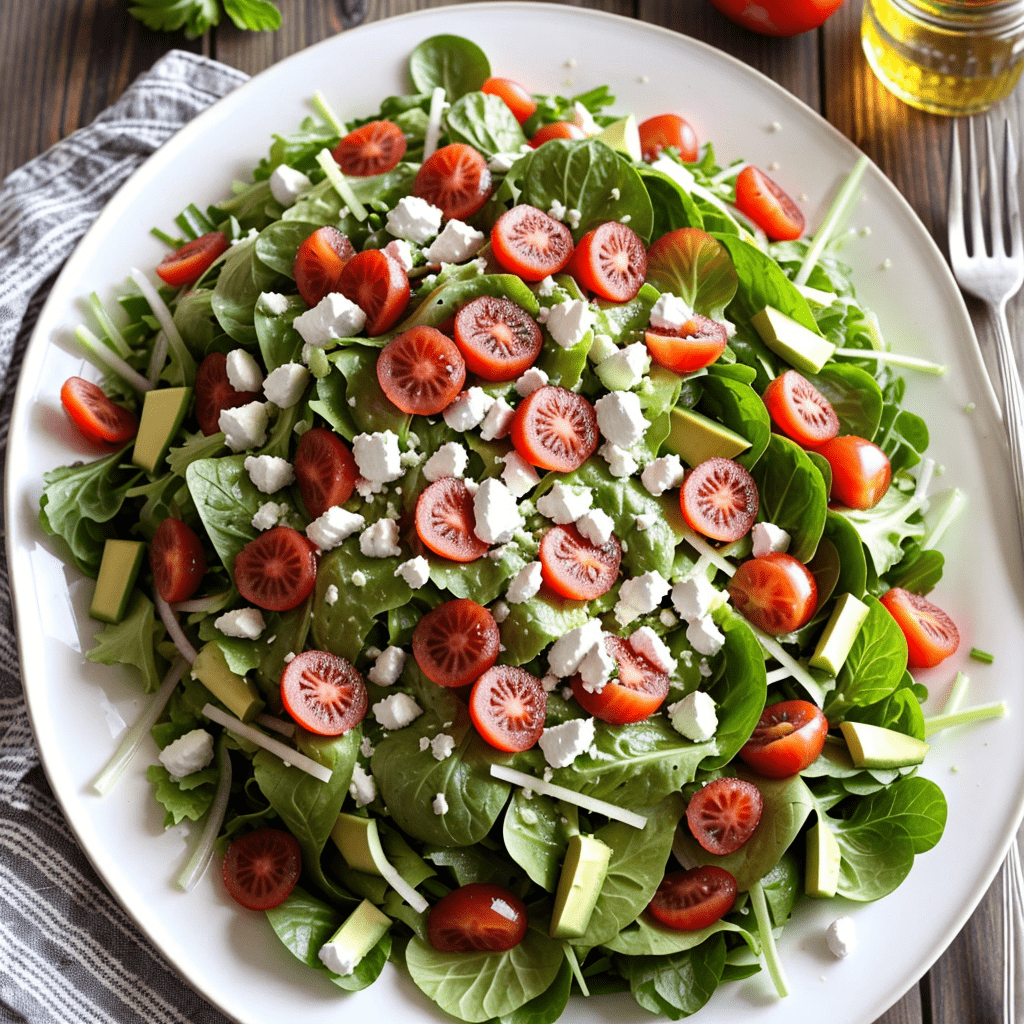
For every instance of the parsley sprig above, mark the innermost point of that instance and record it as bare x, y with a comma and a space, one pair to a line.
198, 16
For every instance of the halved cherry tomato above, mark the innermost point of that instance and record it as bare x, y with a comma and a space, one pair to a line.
177, 560
319, 262
788, 738
775, 592
768, 205
277, 570
635, 694
557, 130
379, 286
719, 499
778, 17
421, 371
214, 392
668, 130
530, 243
931, 634
516, 98
507, 705
693, 899
610, 261
694, 345
95, 415
723, 814
555, 428
800, 410
261, 868
575, 568
446, 522
373, 149
325, 471
323, 692
479, 917
498, 339
187, 264
455, 179
861, 471
456, 642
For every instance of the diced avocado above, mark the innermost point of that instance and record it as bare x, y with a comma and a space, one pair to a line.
162, 413
318, 363
871, 746
362, 930
837, 638
579, 885
624, 136
823, 860
231, 689
695, 438
798, 345
119, 569
359, 843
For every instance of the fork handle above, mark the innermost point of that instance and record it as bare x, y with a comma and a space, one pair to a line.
1013, 408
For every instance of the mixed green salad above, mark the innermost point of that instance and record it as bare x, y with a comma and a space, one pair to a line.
418, 796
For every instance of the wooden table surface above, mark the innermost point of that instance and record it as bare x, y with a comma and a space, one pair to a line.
63, 61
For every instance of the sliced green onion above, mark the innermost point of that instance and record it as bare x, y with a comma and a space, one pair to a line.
326, 111
956, 694
574, 964
954, 505
979, 713
163, 314
340, 184
157, 358
792, 666
107, 359
173, 243
768, 950
983, 656
203, 852
706, 551
114, 336
894, 359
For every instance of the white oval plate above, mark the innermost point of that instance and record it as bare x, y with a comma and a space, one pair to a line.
77, 708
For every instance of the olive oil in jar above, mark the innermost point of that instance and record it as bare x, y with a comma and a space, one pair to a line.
946, 58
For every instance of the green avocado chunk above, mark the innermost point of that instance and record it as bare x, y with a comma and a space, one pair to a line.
871, 746
624, 136
695, 438
362, 930
821, 878
799, 346
231, 689
359, 843
837, 638
579, 885
119, 569
162, 412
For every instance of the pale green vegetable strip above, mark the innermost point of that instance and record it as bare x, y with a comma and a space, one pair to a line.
574, 964
976, 714
110, 328
163, 314
158, 358
433, 132
326, 111
275, 724
340, 184
768, 950
895, 359
728, 173
953, 507
203, 852
107, 359
200, 604
174, 630
957, 694
792, 666
705, 550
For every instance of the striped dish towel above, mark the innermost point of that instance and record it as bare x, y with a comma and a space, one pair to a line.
68, 953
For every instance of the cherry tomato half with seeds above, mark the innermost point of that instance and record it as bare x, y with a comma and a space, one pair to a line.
497, 338
446, 521
574, 567
530, 243
177, 560
555, 428
479, 917
516, 98
456, 642
723, 814
800, 410
375, 148
455, 179
719, 499
323, 692
379, 286
421, 371
633, 695
277, 570
95, 415
667, 130
261, 868
775, 592
187, 264
861, 471
932, 636
610, 261
693, 345
693, 899
507, 705
768, 205
214, 392
325, 470
788, 738
319, 261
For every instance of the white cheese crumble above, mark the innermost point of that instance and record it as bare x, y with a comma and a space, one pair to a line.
450, 459
287, 184
498, 421
530, 380
500, 610
273, 303
704, 636
268, 515
334, 526
415, 572
285, 385
243, 371
497, 514
333, 317
620, 418
456, 243
518, 475
244, 426
245, 623
468, 410
603, 348
693, 597
663, 474
442, 746
669, 312
565, 503
569, 650
646, 520
331, 595
597, 667
269, 473
768, 537
388, 667
640, 595
569, 321
620, 462
562, 744
440, 804
841, 937
414, 219
362, 787
624, 368
187, 754
380, 539
377, 456
396, 711
694, 717
526, 584
400, 251
649, 645
596, 526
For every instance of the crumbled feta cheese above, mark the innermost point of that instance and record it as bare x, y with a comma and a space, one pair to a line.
456, 243
570, 649
526, 584
668, 619
596, 526
501, 163
640, 595
768, 537
388, 667
414, 219
246, 623
562, 744
498, 421
663, 474
442, 745
400, 251
287, 184
603, 348
273, 303
841, 937
331, 595
530, 380
243, 371
359, 578
380, 540
569, 321
564, 503
289, 657
336, 958
269, 473
549, 682
546, 287
362, 787
620, 418
497, 514
333, 527
693, 597
377, 456
620, 462
415, 572
285, 385
187, 754
669, 312
244, 426
694, 716
649, 645
468, 410
503, 907
556, 209
597, 667
366, 748
704, 636
519, 476
268, 515
500, 610
396, 711
625, 367
440, 804
331, 318
450, 459
646, 520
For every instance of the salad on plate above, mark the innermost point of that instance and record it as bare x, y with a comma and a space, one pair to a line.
517, 522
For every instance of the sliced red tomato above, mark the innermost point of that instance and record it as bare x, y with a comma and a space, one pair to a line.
768, 205
668, 130
323, 693
325, 471
861, 471
497, 338
788, 738
95, 415
516, 98
555, 428
277, 570
694, 344
557, 130
723, 814
610, 261
214, 392
456, 642
421, 371
446, 522
373, 149
775, 592
455, 179
693, 899
507, 705
528, 242
931, 634
575, 568
379, 286
477, 918
800, 410
319, 262
177, 560
719, 499
261, 868
633, 695
187, 264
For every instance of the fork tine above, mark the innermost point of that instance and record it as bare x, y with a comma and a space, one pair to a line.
1010, 176
955, 201
974, 194
996, 183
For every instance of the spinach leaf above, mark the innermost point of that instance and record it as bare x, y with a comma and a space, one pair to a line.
193, 316
226, 500
534, 624
548, 1006
470, 864
485, 122
455, 64
739, 408
900, 711
536, 836
853, 571
368, 406
678, 985
132, 641
883, 529
331, 403
697, 268
919, 574
482, 580
277, 244
673, 206
241, 281
646, 937
855, 396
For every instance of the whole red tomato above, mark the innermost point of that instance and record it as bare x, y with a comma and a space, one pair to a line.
778, 17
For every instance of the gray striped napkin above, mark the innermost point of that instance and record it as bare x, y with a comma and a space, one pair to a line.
68, 953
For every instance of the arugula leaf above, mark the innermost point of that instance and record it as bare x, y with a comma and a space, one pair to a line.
132, 641
189, 797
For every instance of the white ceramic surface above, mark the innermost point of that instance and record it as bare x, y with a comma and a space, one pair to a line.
78, 708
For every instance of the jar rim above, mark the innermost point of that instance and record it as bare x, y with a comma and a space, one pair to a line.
966, 15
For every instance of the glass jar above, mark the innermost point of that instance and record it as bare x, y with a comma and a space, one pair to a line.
946, 58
